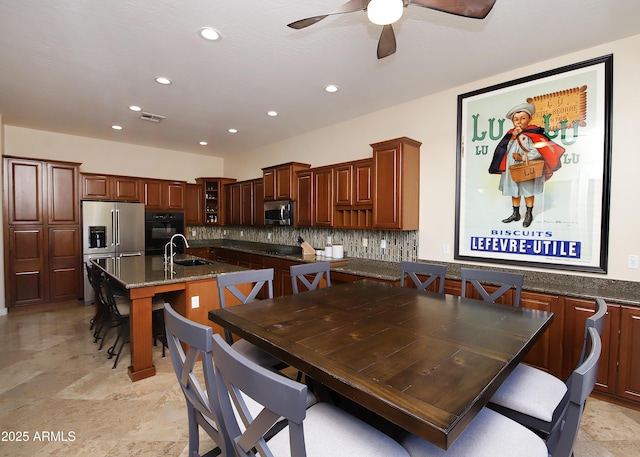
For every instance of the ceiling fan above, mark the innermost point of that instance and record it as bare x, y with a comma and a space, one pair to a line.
386, 12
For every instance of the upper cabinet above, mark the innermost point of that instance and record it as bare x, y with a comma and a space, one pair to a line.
279, 181
244, 203
193, 204
161, 195
353, 194
62, 192
314, 203
41, 192
396, 184
24, 191
214, 199
110, 187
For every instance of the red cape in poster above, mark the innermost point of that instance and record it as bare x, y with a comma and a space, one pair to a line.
550, 151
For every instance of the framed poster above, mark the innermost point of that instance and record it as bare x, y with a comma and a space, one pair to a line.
533, 170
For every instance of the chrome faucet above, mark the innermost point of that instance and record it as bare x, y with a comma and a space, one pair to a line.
171, 244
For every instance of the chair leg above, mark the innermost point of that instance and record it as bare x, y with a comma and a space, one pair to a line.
123, 337
159, 332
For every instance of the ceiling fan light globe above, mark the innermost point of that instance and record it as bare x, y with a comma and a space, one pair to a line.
384, 12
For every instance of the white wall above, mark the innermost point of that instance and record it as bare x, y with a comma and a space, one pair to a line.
432, 120
101, 156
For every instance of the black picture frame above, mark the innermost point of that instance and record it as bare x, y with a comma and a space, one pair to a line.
568, 225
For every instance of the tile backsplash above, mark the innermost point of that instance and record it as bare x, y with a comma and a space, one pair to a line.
400, 245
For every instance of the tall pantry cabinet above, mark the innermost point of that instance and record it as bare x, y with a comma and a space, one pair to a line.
42, 245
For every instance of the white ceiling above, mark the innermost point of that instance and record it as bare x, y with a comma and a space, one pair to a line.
74, 66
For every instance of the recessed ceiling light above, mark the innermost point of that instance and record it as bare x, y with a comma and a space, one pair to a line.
135, 108
209, 33
203, 143
331, 88
272, 113
232, 130
163, 80
116, 127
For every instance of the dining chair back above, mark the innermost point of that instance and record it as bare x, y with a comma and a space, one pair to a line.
504, 280
583, 380
319, 270
329, 431
255, 280
191, 344
229, 282
597, 321
435, 274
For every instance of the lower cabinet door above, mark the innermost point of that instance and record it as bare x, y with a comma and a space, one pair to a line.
629, 362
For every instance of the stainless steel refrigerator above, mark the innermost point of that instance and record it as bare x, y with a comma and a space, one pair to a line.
110, 229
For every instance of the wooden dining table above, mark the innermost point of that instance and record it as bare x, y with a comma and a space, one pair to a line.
424, 361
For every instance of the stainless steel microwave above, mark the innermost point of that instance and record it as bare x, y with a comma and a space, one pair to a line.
278, 212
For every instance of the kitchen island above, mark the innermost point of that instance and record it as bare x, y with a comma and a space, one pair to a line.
191, 290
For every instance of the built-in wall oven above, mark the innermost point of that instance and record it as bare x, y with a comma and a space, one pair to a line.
158, 230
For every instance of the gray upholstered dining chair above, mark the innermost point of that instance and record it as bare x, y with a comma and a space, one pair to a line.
319, 431
537, 399
492, 434
319, 270
583, 380
191, 343
200, 391
256, 280
504, 280
434, 273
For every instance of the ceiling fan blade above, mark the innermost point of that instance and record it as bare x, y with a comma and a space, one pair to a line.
387, 42
476, 9
349, 7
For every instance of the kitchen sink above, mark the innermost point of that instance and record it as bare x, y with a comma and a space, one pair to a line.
192, 262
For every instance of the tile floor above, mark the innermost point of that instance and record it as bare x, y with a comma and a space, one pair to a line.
59, 390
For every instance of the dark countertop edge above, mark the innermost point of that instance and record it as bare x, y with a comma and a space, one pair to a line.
613, 290
178, 279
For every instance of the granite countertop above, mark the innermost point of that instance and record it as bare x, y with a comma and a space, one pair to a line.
589, 287
146, 271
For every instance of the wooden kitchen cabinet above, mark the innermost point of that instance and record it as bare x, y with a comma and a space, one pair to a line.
302, 213
214, 199
314, 204
24, 191
353, 194
246, 203
163, 195
193, 204
65, 268
110, 187
279, 181
258, 202
629, 357
322, 202
240, 203
43, 261
396, 184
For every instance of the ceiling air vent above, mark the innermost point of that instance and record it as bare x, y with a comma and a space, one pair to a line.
151, 117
